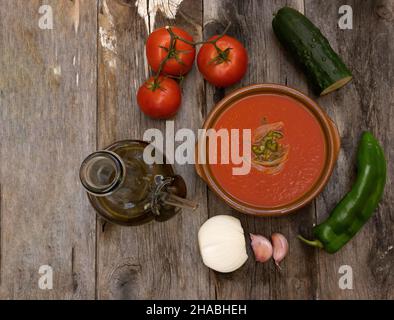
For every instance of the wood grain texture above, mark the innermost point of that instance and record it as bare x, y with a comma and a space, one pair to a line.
365, 104
47, 125
69, 91
158, 260
267, 63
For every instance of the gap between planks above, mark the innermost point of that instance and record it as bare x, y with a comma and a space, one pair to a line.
97, 146
1, 235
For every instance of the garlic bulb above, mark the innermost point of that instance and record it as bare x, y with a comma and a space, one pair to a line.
281, 247
262, 247
222, 243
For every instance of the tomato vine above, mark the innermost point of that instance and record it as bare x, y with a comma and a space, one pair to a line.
172, 53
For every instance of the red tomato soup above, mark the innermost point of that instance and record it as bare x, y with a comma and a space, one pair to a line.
288, 150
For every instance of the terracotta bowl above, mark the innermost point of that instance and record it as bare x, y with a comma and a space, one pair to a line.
332, 141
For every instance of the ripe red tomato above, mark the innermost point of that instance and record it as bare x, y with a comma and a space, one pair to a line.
159, 99
181, 56
223, 66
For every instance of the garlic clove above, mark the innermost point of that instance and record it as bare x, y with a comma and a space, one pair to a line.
280, 246
262, 247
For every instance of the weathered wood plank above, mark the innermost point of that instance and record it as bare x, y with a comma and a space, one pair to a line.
158, 260
367, 103
47, 125
251, 24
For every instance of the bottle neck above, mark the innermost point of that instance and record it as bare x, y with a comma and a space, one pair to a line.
102, 173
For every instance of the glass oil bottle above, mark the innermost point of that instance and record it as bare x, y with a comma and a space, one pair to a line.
125, 190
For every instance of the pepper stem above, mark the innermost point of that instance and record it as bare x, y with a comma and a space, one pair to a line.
313, 243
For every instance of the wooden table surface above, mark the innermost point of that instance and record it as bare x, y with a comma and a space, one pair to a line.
69, 91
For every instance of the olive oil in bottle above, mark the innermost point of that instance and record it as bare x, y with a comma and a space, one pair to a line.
125, 190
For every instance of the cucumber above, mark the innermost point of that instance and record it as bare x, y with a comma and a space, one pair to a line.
323, 67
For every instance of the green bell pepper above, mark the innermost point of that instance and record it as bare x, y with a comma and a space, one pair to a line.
353, 211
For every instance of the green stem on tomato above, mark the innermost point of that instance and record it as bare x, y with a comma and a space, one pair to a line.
216, 39
169, 53
171, 50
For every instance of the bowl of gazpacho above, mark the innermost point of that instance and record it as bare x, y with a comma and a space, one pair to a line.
267, 149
